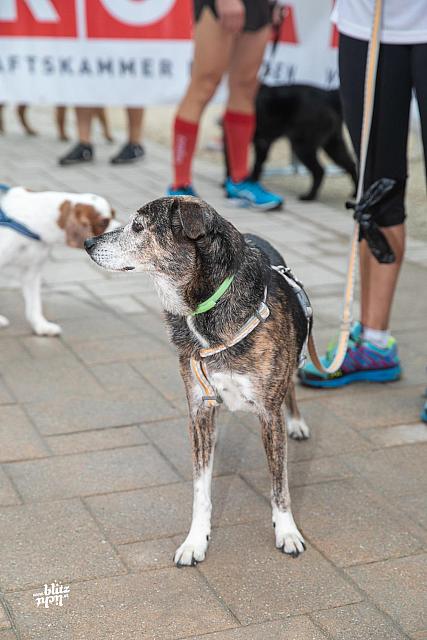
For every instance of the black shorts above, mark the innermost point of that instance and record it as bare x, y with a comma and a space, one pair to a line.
258, 12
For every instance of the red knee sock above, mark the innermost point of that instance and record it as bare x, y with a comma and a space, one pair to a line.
239, 130
184, 143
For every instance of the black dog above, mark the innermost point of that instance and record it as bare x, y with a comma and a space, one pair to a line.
311, 118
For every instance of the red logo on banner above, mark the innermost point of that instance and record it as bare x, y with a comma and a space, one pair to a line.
149, 19
288, 32
54, 18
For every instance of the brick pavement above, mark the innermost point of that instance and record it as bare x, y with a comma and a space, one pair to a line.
95, 469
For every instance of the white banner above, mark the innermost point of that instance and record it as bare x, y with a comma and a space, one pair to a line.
134, 52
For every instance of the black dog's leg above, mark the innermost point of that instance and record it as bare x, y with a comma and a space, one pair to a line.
261, 147
338, 152
288, 538
308, 156
202, 436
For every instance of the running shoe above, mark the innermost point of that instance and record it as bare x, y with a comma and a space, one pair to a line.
363, 362
128, 153
79, 153
253, 194
186, 190
424, 411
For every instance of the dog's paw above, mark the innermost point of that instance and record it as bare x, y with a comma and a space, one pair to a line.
46, 328
288, 539
297, 427
4, 322
192, 551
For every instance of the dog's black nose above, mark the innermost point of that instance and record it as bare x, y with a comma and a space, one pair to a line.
89, 244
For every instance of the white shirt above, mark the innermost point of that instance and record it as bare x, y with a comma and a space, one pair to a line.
403, 21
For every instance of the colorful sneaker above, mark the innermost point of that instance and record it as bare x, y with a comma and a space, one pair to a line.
186, 190
424, 413
253, 194
364, 362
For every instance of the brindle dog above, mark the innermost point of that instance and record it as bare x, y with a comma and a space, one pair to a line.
189, 249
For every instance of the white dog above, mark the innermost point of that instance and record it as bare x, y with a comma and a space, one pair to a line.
31, 223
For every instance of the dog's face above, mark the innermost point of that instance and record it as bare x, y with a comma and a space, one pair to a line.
81, 220
160, 238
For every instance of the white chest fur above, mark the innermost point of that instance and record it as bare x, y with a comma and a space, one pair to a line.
235, 389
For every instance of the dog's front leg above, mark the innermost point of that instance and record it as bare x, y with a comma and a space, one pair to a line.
202, 436
31, 288
288, 538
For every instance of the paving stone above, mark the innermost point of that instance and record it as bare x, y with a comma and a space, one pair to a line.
164, 375
4, 619
104, 410
25, 443
259, 583
300, 474
117, 376
71, 272
236, 447
165, 511
415, 506
166, 605
299, 628
8, 495
96, 440
150, 554
356, 621
402, 434
392, 406
124, 304
380, 469
351, 525
40, 347
52, 541
121, 349
121, 285
36, 380
88, 473
397, 586
5, 396
8, 635
67, 302
10, 351
107, 326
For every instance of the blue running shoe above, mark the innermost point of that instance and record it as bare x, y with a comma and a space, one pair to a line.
182, 191
424, 413
253, 194
363, 362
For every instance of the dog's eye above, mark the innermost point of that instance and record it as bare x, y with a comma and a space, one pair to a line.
137, 226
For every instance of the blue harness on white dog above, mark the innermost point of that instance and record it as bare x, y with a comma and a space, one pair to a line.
10, 223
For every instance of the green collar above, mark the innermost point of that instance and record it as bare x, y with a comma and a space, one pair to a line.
209, 304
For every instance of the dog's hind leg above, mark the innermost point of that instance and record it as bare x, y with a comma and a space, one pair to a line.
295, 423
288, 538
308, 156
337, 150
31, 288
202, 436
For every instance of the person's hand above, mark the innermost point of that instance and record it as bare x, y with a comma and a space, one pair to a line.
231, 14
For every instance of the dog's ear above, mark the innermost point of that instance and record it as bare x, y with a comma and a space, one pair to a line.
188, 215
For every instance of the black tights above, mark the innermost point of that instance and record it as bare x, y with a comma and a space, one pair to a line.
401, 68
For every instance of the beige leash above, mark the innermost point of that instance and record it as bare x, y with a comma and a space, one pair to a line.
368, 106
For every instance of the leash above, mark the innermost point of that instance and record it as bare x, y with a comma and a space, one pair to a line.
277, 28
365, 225
10, 223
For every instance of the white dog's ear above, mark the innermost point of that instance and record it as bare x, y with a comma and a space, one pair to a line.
189, 215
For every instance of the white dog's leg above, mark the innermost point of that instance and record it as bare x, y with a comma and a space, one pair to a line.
31, 288
296, 425
202, 435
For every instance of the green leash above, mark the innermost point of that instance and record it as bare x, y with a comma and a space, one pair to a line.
209, 304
